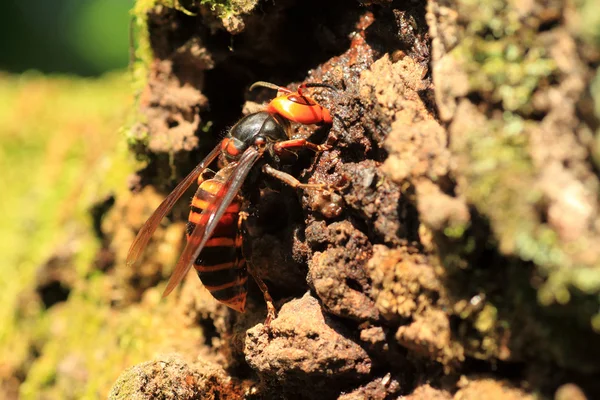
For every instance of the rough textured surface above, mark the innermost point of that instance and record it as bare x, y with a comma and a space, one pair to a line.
378, 389
459, 240
472, 388
343, 293
408, 293
456, 257
305, 352
425, 391
172, 378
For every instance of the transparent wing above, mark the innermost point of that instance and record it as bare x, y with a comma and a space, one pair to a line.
210, 217
145, 233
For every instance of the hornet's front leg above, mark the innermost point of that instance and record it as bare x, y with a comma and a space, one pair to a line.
297, 144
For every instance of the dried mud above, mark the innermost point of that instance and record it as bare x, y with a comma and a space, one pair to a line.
456, 259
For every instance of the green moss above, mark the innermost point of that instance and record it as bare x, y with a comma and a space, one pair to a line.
486, 319
588, 22
222, 9
455, 231
501, 186
499, 173
506, 62
501, 57
143, 50
229, 8
135, 130
504, 70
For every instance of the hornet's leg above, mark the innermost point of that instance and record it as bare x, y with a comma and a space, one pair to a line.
291, 181
296, 144
271, 311
285, 90
315, 85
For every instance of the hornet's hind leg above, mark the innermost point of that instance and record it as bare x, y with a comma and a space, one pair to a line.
271, 312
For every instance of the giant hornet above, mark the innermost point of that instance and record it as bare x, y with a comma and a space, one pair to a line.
214, 239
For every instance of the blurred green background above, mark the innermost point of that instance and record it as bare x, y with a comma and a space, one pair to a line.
82, 37
65, 100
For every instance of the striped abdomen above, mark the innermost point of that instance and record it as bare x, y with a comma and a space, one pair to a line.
220, 265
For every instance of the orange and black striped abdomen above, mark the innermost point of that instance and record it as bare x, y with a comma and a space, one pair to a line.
220, 265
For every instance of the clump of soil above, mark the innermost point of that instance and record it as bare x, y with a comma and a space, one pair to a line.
171, 377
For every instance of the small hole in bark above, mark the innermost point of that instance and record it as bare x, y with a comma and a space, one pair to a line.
52, 293
209, 330
98, 211
542, 211
171, 123
353, 284
550, 24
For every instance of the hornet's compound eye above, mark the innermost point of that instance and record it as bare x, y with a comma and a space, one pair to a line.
260, 142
